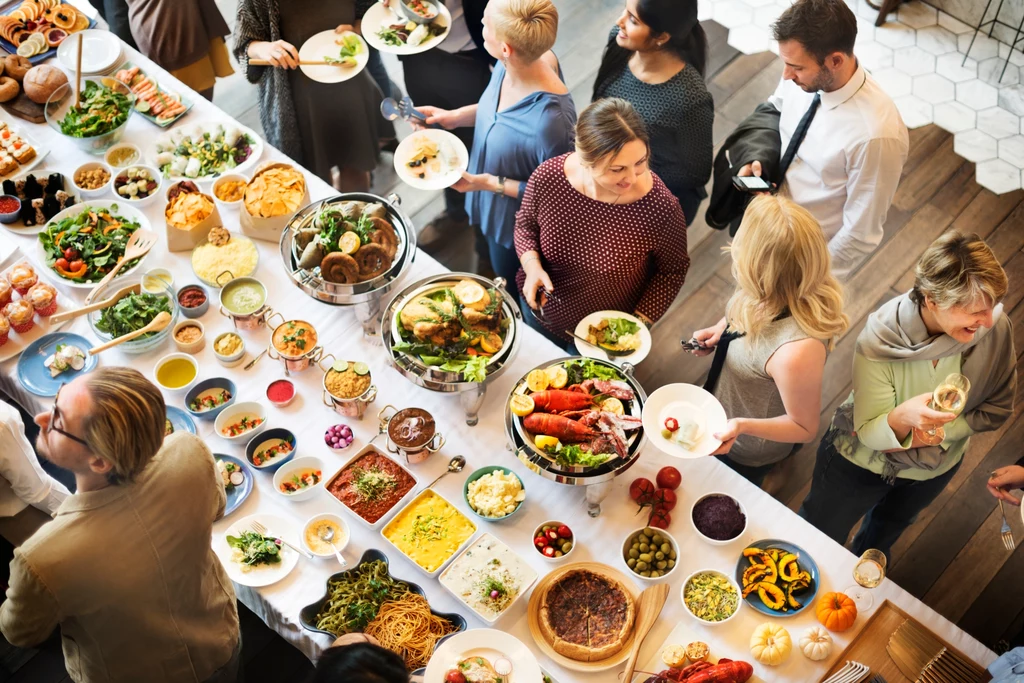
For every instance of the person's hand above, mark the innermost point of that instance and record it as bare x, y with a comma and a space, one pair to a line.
435, 117
279, 53
536, 278
753, 168
727, 436
350, 28
476, 182
1004, 479
353, 638
709, 338
914, 412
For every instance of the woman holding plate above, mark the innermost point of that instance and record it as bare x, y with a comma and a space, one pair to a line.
785, 315
319, 125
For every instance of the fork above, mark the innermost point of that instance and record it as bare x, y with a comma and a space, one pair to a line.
138, 246
262, 530
1005, 531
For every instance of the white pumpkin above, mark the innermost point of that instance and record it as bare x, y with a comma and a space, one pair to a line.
816, 644
770, 644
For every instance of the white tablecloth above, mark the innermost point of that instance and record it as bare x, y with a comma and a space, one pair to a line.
597, 539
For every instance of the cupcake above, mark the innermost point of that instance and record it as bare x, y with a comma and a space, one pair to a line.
5, 329
5, 292
22, 276
21, 315
43, 298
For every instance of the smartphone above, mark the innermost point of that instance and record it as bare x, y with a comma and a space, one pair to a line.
691, 345
750, 183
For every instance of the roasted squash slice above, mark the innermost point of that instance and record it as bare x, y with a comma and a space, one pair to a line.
772, 574
799, 586
752, 588
789, 570
753, 554
804, 575
771, 595
790, 600
753, 574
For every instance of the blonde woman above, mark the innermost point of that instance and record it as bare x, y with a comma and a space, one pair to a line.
888, 453
525, 117
789, 310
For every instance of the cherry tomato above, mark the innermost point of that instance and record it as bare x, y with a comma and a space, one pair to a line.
660, 518
540, 541
665, 499
455, 676
549, 551
70, 254
671, 424
641, 490
77, 264
669, 478
61, 263
564, 532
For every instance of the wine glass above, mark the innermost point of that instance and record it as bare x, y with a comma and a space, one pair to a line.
868, 573
949, 397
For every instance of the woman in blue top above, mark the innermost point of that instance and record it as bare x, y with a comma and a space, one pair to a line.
525, 117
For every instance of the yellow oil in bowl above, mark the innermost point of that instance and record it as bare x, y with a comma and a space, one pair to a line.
176, 373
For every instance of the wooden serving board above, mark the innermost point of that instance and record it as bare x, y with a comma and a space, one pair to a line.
24, 108
869, 646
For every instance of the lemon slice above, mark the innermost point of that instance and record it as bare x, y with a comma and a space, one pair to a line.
349, 243
491, 343
537, 380
26, 49
469, 292
613, 405
557, 376
521, 405
545, 442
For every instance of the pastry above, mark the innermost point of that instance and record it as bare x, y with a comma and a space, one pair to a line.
22, 276
5, 292
21, 315
43, 298
586, 615
5, 329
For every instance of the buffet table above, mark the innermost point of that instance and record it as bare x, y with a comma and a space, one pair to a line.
598, 539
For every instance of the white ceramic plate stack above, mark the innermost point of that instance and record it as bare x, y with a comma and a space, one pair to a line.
101, 53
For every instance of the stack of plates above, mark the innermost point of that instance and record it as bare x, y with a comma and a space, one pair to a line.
101, 52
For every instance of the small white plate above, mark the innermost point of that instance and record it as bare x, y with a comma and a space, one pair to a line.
101, 51
322, 45
591, 351
483, 642
379, 16
451, 168
268, 574
678, 399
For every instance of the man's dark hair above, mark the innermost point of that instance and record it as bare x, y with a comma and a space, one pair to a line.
821, 26
360, 663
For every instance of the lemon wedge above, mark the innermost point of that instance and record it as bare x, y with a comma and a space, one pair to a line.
537, 380
545, 442
557, 376
521, 405
349, 243
613, 405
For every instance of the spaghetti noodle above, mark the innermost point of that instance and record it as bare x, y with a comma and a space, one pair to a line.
407, 627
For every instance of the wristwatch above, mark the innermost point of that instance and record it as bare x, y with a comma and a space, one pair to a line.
501, 185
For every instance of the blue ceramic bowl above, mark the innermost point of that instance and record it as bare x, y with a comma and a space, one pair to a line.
804, 560
263, 437
12, 216
206, 385
481, 472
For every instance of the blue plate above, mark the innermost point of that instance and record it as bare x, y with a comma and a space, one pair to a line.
180, 420
806, 562
237, 494
35, 376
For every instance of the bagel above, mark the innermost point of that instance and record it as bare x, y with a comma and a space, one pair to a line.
373, 260
16, 67
339, 268
8, 88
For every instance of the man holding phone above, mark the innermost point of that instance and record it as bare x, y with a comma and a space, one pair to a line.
843, 141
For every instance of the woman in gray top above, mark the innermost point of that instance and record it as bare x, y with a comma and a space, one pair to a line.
788, 307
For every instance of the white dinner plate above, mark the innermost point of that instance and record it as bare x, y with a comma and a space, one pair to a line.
322, 45
265, 575
101, 51
488, 643
453, 155
592, 351
379, 16
676, 400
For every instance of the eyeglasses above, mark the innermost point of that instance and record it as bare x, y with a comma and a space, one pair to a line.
54, 414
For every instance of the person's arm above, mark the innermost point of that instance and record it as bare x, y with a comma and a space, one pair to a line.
30, 613
527, 242
20, 467
1003, 480
873, 171
252, 24
463, 117
670, 265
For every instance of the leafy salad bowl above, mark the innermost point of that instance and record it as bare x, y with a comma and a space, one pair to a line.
104, 101
133, 312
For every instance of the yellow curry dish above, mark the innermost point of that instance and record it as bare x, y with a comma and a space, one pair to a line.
294, 338
429, 530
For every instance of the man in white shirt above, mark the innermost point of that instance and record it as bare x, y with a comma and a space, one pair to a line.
846, 167
28, 496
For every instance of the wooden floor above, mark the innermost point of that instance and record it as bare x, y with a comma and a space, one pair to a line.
952, 558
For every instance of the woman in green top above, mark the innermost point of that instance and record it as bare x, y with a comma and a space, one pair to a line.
876, 459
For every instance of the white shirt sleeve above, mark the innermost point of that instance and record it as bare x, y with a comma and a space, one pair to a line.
873, 172
776, 97
21, 469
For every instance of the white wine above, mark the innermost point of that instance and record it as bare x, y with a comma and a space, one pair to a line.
868, 573
949, 398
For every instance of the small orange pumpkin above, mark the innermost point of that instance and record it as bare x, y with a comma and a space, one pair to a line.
836, 611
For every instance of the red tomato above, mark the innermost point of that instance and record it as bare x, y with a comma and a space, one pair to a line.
455, 676
76, 265
549, 551
669, 478
641, 490
660, 518
61, 263
564, 532
665, 499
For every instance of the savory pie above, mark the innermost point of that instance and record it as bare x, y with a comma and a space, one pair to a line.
586, 616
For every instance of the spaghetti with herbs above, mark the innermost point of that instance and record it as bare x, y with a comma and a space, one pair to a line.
407, 626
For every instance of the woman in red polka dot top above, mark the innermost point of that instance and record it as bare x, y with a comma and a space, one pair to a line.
598, 230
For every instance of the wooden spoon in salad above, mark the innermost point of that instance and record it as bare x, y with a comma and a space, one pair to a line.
138, 246
161, 321
110, 301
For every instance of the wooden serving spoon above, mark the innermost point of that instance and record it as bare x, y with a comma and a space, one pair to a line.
652, 600
162, 320
110, 301
138, 246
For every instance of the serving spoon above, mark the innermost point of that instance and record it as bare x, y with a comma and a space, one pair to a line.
454, 465
161, 321
327, 535
110, 301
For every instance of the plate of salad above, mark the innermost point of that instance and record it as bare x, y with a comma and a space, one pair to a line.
83, 242
206, 151
386, 29
256, 560
614, 335
345, 53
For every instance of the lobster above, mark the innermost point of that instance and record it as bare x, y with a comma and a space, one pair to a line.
609, 387
561, 400
726, 671
569, 431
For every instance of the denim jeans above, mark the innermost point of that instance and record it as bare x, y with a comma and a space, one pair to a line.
842, 492
505, 264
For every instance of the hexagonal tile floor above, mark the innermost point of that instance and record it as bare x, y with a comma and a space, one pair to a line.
925, 59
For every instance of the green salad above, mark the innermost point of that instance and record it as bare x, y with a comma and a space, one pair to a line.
132, 312
101, 111
84, 247
572, 454
349, 46
584, 369
252, 550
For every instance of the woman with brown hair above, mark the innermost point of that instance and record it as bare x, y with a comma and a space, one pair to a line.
598, 230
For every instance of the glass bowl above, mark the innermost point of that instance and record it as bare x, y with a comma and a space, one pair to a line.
63, 98
148, 342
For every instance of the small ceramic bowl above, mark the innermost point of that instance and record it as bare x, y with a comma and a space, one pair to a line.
98, 191
194, 311
113, 151
205, 386
340, 539
682, 597
157, 281
283, 383
193, 346
344, 435
221, 204
410, 15
175, 356
712, 541
13, 215
256, 442
296, 467
234, 413
651, 562
554, 524
487, 470
135, 200
232, 359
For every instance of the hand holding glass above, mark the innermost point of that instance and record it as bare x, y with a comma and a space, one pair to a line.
949, 397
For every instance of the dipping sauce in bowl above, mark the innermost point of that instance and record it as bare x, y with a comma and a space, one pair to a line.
191, 297
280, 392
227, 344
411, 427
229, 190
176, 372
317, 528
243, 297
294, 338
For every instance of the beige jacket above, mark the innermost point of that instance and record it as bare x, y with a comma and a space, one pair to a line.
129, 574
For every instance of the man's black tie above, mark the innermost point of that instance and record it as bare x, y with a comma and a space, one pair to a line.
798, 136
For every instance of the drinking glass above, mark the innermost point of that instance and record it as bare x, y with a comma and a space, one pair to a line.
949, 397
868, 573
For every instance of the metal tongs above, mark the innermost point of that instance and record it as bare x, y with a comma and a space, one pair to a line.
392, 109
